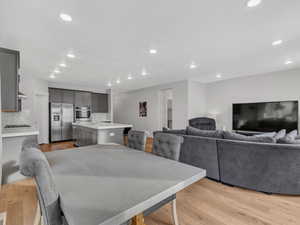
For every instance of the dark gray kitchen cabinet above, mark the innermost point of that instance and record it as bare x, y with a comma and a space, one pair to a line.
9, 66
83, 98
67, 96
55, 95
99, 103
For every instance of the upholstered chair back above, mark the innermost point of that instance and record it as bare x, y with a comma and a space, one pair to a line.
167, 145
33, 163
203, 123
137, 139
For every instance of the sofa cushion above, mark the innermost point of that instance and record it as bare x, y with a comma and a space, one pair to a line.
240, 137
204, 133
268, 134
280, 134
289, 141
179, 131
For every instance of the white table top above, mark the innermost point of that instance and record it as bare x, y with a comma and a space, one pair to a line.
101, 125
110, 184
18, 132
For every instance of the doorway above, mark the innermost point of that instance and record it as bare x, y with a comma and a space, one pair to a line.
167, 108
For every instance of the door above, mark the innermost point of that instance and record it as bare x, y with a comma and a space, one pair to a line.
56, 122
167, 108
67, 120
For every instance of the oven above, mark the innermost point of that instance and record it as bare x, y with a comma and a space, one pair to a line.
83, 113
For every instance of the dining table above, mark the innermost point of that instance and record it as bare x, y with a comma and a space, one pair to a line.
111, 184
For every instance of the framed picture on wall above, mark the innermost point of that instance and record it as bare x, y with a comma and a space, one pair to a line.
143, 109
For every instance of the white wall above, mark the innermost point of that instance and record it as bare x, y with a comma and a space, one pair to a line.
30, 86
196, 99
126, 107
278, 86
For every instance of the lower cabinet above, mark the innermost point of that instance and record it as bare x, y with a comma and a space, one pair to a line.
84, 136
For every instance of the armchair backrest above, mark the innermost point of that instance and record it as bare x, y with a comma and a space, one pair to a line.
203, 123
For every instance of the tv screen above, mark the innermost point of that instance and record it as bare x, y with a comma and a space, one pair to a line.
266, 116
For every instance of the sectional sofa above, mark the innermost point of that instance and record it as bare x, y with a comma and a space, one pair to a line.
265, 167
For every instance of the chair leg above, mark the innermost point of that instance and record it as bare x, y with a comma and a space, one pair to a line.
174, 212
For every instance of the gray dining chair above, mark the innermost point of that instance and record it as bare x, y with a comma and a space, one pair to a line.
33, 163
167, 146
137, 139
30, 142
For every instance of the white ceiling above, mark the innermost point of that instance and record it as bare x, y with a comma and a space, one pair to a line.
112, 38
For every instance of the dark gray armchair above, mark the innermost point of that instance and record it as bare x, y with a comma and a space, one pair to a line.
203, 123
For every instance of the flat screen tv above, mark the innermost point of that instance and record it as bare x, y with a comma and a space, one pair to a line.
265, 116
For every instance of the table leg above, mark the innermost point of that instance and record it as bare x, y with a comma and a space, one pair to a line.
138, 220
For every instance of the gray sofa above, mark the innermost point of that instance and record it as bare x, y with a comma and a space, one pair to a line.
265, 167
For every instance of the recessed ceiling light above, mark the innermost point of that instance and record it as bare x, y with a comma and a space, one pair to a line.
287, 62
52, 76
144, 72
129, 77
277, 42
219, 75
253, 3
62, 65
118, 81
56, 71
193, 65
152, 51
65, 17
71, 55
109, 84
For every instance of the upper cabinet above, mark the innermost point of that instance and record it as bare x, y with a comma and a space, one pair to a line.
55, 95
9, 66
67, 96
99, 103
83, 98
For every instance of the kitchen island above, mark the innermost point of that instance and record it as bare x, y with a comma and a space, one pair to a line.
91, 133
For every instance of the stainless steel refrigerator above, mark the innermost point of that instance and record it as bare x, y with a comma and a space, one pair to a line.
61, 119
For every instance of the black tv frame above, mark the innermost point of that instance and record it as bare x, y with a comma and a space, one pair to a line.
253, 132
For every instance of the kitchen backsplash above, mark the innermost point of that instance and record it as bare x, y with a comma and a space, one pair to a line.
16, 118
98, 117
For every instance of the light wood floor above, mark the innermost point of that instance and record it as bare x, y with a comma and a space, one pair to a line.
203, 203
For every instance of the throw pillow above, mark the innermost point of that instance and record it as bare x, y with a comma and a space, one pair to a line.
293, 134
290, 138
280, 134
204, 133
240, 137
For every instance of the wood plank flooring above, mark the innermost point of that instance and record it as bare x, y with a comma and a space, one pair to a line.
204, 203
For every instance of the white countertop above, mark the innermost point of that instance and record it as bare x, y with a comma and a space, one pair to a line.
101, 125
17, 132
